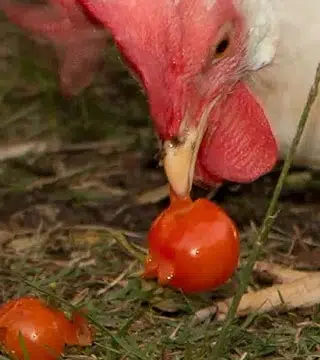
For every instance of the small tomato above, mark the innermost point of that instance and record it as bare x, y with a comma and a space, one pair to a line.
193, 246
44, 330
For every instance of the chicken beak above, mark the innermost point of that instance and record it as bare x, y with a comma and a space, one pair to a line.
179, 163
180, 158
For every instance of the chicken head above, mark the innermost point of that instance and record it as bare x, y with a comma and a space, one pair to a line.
191, 57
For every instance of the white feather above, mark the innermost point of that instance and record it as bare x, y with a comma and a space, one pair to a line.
283, 86
262, 29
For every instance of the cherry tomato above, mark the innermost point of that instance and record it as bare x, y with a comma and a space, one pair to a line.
45, 330
193, 246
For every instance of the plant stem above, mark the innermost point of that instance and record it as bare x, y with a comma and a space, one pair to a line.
267, 223
138, 254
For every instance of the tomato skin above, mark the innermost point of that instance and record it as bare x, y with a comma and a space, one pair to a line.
45, 330
193, 246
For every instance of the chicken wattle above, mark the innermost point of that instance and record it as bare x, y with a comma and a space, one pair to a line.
226, 80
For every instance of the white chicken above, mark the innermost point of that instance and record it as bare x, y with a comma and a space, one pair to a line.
283, 86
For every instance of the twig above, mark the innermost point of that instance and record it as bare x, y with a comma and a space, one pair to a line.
153, 196
66, 175
269, 219
20, 114
102, 228
22, 149
301, 293
121, 239
117, 279
55, 146
277, 273
118, 235
292, 289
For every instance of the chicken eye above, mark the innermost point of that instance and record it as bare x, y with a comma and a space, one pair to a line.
222, 47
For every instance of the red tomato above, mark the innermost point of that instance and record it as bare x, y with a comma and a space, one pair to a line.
193, 246
45, 330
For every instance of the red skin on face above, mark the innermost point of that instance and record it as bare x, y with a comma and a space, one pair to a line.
172, 47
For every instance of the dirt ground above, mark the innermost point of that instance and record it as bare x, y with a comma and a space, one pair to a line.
120, 189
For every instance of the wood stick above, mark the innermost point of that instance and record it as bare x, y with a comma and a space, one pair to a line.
39, 147
153, 196
303, 292
278, 273
22, 149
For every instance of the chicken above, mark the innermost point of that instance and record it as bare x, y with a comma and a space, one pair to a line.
283, 86
219, 74
226, 80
